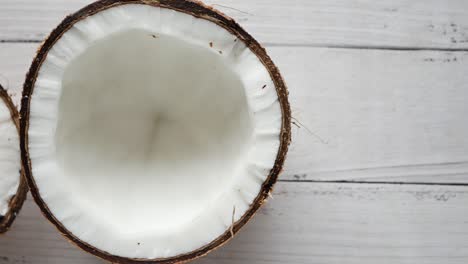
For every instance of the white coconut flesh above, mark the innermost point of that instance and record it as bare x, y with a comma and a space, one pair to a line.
10, 159
151, 131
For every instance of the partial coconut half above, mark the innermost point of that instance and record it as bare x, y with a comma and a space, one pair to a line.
13, 186
152, 131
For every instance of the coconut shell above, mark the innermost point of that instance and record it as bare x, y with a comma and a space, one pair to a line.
16, 202
196, 9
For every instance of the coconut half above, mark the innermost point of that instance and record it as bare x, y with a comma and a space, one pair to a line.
13, 186
152, 131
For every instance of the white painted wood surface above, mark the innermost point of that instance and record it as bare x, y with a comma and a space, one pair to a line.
372, 106
303, 224
397, 23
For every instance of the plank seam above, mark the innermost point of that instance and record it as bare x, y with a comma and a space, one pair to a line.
376, 182
329, 46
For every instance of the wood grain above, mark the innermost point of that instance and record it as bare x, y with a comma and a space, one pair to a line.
305, 223
406, 24
380, 115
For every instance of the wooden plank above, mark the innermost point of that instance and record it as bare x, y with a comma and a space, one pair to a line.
377, 115
363, 23
365, 115
305, 223
15, 60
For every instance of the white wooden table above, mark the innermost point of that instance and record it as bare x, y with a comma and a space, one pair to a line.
378, 167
